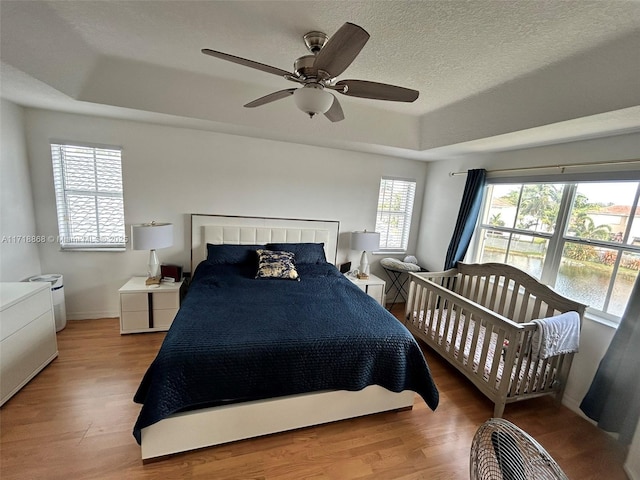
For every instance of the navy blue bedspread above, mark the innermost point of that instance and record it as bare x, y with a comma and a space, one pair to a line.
237, 338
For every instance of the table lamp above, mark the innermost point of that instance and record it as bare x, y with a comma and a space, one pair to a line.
152, 236
365, 241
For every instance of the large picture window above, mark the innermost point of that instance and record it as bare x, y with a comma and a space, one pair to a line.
88, 186
581, 238
393, 218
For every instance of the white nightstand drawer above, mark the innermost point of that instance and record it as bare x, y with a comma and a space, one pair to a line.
163, 318
165, 300
134, 320
134, 302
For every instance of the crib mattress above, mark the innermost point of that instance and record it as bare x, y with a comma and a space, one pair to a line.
444, 339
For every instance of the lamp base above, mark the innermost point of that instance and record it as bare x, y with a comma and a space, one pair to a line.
153, 269
363, 272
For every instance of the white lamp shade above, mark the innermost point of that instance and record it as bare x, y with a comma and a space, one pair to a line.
312, 100
150, 236
365, 241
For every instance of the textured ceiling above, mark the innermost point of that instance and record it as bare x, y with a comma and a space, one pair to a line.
483, 68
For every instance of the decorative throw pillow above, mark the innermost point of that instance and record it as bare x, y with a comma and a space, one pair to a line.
304, 252
276, 264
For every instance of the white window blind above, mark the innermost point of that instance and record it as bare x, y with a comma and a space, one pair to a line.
88, 186
395, 205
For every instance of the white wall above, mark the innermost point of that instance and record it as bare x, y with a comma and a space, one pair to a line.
444, 192
442, 201
19, 259
170, 173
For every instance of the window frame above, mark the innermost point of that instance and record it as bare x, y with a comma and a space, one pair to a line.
67, 240
406, 213
560, 237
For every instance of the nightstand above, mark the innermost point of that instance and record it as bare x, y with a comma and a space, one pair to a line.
148, 309
372, 286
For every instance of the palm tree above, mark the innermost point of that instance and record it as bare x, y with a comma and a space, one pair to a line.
583, 226
539, 205
496, 220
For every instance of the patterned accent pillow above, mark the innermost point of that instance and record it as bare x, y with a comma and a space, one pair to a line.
276, 264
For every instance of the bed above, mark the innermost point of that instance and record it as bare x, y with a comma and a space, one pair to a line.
485, 320
249, 356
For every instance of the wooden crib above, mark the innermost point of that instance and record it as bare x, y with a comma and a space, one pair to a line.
443, 308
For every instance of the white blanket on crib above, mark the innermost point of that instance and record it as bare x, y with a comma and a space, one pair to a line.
556, 335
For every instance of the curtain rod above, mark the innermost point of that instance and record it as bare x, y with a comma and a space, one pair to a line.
560, 167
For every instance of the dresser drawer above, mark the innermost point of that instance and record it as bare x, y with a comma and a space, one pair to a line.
17, 316
25, 353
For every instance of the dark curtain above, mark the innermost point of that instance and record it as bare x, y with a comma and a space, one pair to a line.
613, 400
467, 217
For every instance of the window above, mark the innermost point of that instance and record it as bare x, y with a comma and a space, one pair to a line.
88, 186
581, 238
393, 220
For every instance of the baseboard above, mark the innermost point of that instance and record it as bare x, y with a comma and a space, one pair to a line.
92, 315
573, 405
630, 473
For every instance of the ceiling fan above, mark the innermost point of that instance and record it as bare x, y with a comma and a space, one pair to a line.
317, 74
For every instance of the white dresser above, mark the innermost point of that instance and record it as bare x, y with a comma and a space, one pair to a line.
27, 333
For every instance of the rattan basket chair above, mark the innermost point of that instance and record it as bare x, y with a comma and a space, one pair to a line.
502, 451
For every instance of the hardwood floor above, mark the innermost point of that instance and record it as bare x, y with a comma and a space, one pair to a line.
74, 421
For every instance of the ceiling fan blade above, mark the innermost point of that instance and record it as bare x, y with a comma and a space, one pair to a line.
376, 91
272, 97
247, 63
335, 113
341, 49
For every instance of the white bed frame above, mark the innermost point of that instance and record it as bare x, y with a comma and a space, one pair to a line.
213, 426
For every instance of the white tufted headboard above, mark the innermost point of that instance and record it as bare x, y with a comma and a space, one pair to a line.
219, 229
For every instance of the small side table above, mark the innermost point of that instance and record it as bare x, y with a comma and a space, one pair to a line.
398, 281
144, 308
372, 286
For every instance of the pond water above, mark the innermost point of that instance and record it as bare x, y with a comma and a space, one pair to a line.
586, 285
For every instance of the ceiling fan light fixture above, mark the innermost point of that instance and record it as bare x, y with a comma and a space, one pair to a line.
318, 73
312, 100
